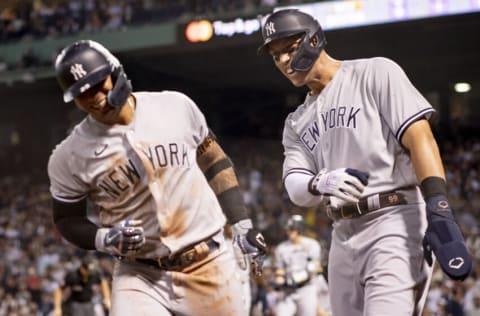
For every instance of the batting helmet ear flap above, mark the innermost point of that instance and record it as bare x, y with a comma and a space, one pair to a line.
307, 53
122, 88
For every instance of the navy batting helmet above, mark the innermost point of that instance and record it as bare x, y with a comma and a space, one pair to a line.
85, 63
296, 222
290, 22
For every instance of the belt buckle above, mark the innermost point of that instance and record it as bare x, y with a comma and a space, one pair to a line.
167, 263
188, 257
182, 260
352, 214
162, 263
345, 216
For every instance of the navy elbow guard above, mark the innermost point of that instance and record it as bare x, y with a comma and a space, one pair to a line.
443, 236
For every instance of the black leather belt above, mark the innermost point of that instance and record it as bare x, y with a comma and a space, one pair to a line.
183, 259
369, 204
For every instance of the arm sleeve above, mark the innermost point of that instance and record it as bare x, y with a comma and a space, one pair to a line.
399, 102
296, 185
72, 222
297, 157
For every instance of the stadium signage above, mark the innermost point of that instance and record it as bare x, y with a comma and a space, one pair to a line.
204, 30
239, 26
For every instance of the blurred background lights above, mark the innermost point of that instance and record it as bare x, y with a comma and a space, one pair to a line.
199, 31
462, 87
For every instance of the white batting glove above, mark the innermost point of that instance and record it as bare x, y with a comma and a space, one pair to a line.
345, 183
124, 239
248, 244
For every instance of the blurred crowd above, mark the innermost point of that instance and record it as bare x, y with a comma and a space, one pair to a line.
35, 259
50, 18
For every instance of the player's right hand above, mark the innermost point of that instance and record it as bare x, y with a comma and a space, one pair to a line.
124, 239
346, 184
249, 243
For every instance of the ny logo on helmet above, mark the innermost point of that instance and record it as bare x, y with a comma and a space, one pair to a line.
269, 28
77, 71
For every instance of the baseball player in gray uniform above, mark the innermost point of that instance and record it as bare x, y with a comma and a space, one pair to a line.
361, 148
297, 261
159, 181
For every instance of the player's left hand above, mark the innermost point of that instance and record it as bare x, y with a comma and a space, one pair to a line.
444, 238
249, 243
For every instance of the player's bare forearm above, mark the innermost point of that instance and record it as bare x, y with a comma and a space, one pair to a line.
219, 172
424, 152
216, 166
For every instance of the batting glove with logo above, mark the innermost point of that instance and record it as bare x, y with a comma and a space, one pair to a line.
124, 239
249, 243
444, 238
346, 184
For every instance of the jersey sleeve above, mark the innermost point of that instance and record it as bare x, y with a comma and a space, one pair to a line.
197, 120
399, 102
64, 185
297, 157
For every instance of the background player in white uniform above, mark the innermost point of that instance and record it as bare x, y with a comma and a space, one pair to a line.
297, 261
358, 147
159, 181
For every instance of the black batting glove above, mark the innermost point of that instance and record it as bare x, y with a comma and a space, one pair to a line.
444, 238
249, 243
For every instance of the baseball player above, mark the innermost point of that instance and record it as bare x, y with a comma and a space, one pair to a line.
296, 265
78, 289
360, 147
159, 181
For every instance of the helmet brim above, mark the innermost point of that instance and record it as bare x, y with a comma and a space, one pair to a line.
86, 83
263, 49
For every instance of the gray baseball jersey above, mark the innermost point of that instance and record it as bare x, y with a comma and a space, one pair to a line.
376, 264
148, 171
294, 257
298, 260
355, 123
143, 171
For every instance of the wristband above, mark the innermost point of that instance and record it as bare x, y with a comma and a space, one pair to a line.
433, 186
313, 183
